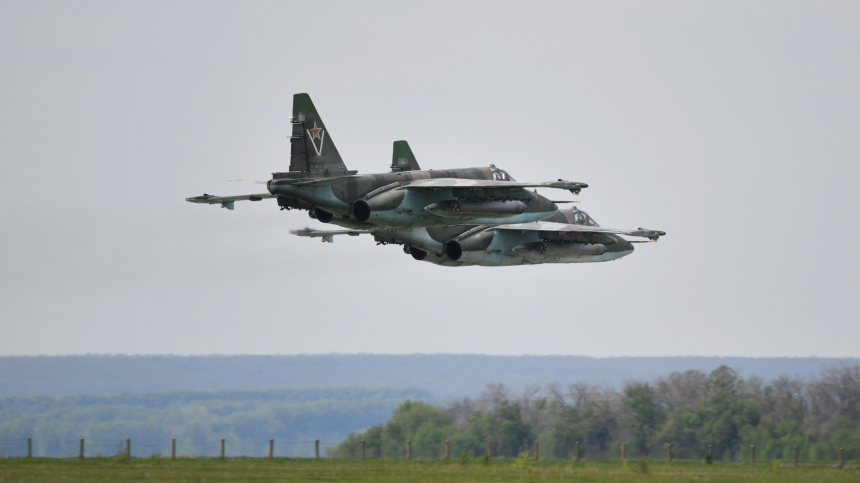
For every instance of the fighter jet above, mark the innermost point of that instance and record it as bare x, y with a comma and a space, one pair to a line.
567, 236
319, 182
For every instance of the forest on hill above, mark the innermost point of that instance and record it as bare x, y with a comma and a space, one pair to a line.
198, 420
689, 410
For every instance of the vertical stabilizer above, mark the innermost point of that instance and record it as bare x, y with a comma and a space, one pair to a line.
403, 159
311, 147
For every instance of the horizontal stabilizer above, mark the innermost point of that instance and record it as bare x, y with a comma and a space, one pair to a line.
281, 179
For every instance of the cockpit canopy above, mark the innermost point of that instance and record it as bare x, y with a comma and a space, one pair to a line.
500, 174
581, 218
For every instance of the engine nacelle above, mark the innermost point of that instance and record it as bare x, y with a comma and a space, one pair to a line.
477, 240
387, 201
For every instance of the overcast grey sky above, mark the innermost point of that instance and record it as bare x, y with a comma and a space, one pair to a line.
733, 126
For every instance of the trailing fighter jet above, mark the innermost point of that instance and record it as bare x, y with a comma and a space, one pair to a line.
566, 236
319, 182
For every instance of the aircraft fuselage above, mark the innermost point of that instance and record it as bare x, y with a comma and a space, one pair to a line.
389, 206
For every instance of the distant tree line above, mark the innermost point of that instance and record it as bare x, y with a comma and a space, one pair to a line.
689, 410
198, 420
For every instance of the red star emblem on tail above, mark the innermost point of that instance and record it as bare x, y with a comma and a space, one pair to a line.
317, 133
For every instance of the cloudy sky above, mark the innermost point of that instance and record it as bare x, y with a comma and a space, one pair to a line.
733, 126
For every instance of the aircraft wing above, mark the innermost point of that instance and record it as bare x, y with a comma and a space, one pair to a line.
302, 181
227, 201
314, 181
562, 228
327, 235
491, 184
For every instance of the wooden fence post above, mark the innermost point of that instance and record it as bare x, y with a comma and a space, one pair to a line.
841, 457
317, 448
537, 450
623, 450
271, 448
408, 449
796, 451
669, 447
222, 449
489, 450
81, 454
447, 449
752, 454
128, 447
362, 450
577, 452
711, 452
29, 447
173, 448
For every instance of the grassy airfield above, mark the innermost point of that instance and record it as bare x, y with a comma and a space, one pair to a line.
255, 469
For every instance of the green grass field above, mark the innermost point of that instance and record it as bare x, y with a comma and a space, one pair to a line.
263, 470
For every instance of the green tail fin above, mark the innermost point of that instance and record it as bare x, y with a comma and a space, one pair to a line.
311, 147
403, 159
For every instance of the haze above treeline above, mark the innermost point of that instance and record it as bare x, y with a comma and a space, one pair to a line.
443, 375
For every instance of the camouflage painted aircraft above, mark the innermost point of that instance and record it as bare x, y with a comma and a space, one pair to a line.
566, 236
319, 182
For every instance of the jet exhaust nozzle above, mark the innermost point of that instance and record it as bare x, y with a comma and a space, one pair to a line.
361, 211
476, 209
454, 250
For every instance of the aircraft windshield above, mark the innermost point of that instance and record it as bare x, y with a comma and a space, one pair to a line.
582, 218
500, 174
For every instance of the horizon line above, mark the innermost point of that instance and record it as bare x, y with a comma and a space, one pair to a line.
412, 354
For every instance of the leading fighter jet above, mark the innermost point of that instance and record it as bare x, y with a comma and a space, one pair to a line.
567, 236
319, 182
